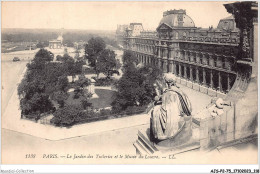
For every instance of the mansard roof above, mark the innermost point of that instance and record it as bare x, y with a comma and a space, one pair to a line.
177, 20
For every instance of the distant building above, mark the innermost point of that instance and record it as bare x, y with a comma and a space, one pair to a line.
120, 31
135, 29
57, 43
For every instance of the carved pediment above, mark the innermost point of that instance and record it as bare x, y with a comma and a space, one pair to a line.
164, 26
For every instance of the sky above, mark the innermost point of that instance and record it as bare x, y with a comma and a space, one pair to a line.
104, 15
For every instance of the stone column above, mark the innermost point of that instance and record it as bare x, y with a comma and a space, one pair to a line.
204, 76
211, 78
191, 74
197, 75
219, 81
185, 71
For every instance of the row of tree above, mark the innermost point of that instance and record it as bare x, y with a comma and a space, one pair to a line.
46, 81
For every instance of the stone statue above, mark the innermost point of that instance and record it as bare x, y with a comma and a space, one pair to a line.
170, 110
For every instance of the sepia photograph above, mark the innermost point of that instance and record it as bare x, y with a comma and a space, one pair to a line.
129, 82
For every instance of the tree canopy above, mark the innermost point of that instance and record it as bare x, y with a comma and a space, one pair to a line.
129, 58
45, 81
135, 87
107, 62
93, 49
101, 59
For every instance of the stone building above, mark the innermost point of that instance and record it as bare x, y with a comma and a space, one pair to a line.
203, 59
57, 43
213, 61
120, 33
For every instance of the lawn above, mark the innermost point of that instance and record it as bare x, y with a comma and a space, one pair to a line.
104, 100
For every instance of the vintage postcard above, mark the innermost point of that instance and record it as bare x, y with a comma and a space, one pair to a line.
129, 82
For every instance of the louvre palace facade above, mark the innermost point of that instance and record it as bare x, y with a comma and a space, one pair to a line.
202, 59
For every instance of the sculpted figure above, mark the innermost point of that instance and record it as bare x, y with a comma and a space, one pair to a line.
169, 111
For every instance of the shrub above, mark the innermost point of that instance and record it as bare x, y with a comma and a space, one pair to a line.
67, 116
104, 112
105, 82
87, 70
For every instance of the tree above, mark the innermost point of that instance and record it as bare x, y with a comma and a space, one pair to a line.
71, 66
60, 97
93, 49
135, 87
43, 55
68, 43
39, 83
66, 58
65, 51
107, 62
68, 115
83, 81
80, 87
129, 58
38, 103
58, 58
62, 83
39, 45
76, 57
45, 81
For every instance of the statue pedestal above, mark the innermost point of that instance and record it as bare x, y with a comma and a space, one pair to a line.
91, 89
185, 141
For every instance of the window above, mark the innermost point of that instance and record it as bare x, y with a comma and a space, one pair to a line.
184, 34
176, 35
